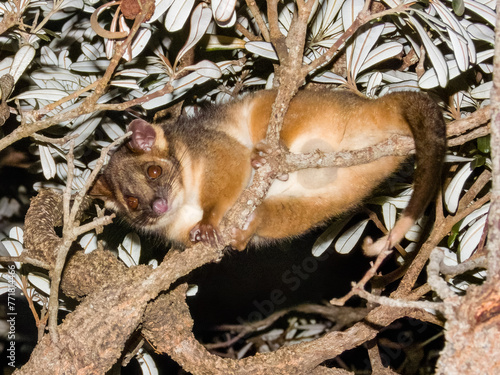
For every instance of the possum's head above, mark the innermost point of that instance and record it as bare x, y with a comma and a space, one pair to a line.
142, 179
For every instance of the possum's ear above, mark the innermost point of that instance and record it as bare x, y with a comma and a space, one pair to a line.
101, 189
143, 136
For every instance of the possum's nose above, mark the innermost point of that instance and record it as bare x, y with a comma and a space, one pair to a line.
160, 206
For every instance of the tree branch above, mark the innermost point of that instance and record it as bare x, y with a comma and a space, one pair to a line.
169, 329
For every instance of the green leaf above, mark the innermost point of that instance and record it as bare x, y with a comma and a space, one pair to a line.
423, 4
458, 7
483, 144
221, 42
43, 37
454, 234
478, 161
51, 33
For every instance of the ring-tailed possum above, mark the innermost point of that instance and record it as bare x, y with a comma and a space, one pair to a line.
179, 180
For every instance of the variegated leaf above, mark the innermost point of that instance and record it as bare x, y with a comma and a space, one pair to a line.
468, 243
264, 49
454, 189
435, 55
89, 242
40, 281
146, 363
200, 19
389, 213
139, 42
161, 7
177, 14
48, 163
223, 10
206, 68
132, 244
481, 10
350, 237
324, 241
360, 49
383, 52
22, 60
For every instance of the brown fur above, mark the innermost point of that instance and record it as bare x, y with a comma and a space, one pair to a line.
340, 120
209, 165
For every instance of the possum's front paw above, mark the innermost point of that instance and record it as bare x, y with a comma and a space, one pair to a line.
205, 233
264, 153
259, 153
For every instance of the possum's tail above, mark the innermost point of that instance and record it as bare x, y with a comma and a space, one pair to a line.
427, 125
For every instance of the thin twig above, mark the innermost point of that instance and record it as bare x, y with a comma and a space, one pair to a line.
393, 302
361, 284
23, 258
441, 229
247, 34
474, 134
435, 281
72, 229
471, 194
469, 265
254, 9
57, 141
62, 249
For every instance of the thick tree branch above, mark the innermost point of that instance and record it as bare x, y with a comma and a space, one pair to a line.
169, 329
473, 327
112, 310
494, 218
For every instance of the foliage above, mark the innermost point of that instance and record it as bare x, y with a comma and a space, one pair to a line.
59, 52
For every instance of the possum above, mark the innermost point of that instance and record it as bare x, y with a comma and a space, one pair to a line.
178, 180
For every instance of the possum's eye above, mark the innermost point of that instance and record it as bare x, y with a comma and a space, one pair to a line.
154, 171
132, 202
